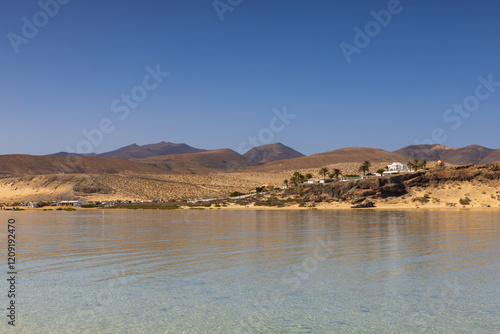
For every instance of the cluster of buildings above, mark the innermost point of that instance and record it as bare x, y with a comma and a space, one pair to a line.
397, 167
73, 203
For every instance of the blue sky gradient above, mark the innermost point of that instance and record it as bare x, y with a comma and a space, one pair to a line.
227, 76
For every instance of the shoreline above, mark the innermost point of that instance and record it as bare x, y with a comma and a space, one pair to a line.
259, 208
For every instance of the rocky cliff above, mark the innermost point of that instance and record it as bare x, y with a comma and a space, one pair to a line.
399, 185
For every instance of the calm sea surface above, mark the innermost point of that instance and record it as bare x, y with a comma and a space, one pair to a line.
215, 271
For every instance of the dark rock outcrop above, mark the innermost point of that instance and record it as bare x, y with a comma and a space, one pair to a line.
363, 205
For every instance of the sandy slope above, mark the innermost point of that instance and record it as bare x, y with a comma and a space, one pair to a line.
145, 187
91, 187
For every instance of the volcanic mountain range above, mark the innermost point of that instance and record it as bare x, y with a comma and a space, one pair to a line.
169, 158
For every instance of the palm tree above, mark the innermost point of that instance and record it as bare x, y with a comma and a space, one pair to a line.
416, 164
424, 164
363, 169
285, 183
294, 180
308, 176
409, 165
323, 171
380, 171
337, 172
298, 178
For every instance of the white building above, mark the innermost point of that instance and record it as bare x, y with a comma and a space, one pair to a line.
396, 167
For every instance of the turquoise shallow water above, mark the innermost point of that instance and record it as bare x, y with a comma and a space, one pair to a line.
215, 271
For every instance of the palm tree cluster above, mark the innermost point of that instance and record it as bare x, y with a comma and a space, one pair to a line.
335, 173
299, 178
415, 164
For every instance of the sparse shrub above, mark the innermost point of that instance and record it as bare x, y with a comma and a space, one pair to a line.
422, 200
464, 201
235, 194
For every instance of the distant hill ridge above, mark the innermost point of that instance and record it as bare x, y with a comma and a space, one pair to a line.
21, 165
472, 154
222, 160
162, 148
271, 152
167, 157
135, 151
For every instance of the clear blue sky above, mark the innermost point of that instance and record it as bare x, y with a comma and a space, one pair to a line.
226, 76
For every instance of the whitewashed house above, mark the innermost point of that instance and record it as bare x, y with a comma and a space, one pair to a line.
396, 167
